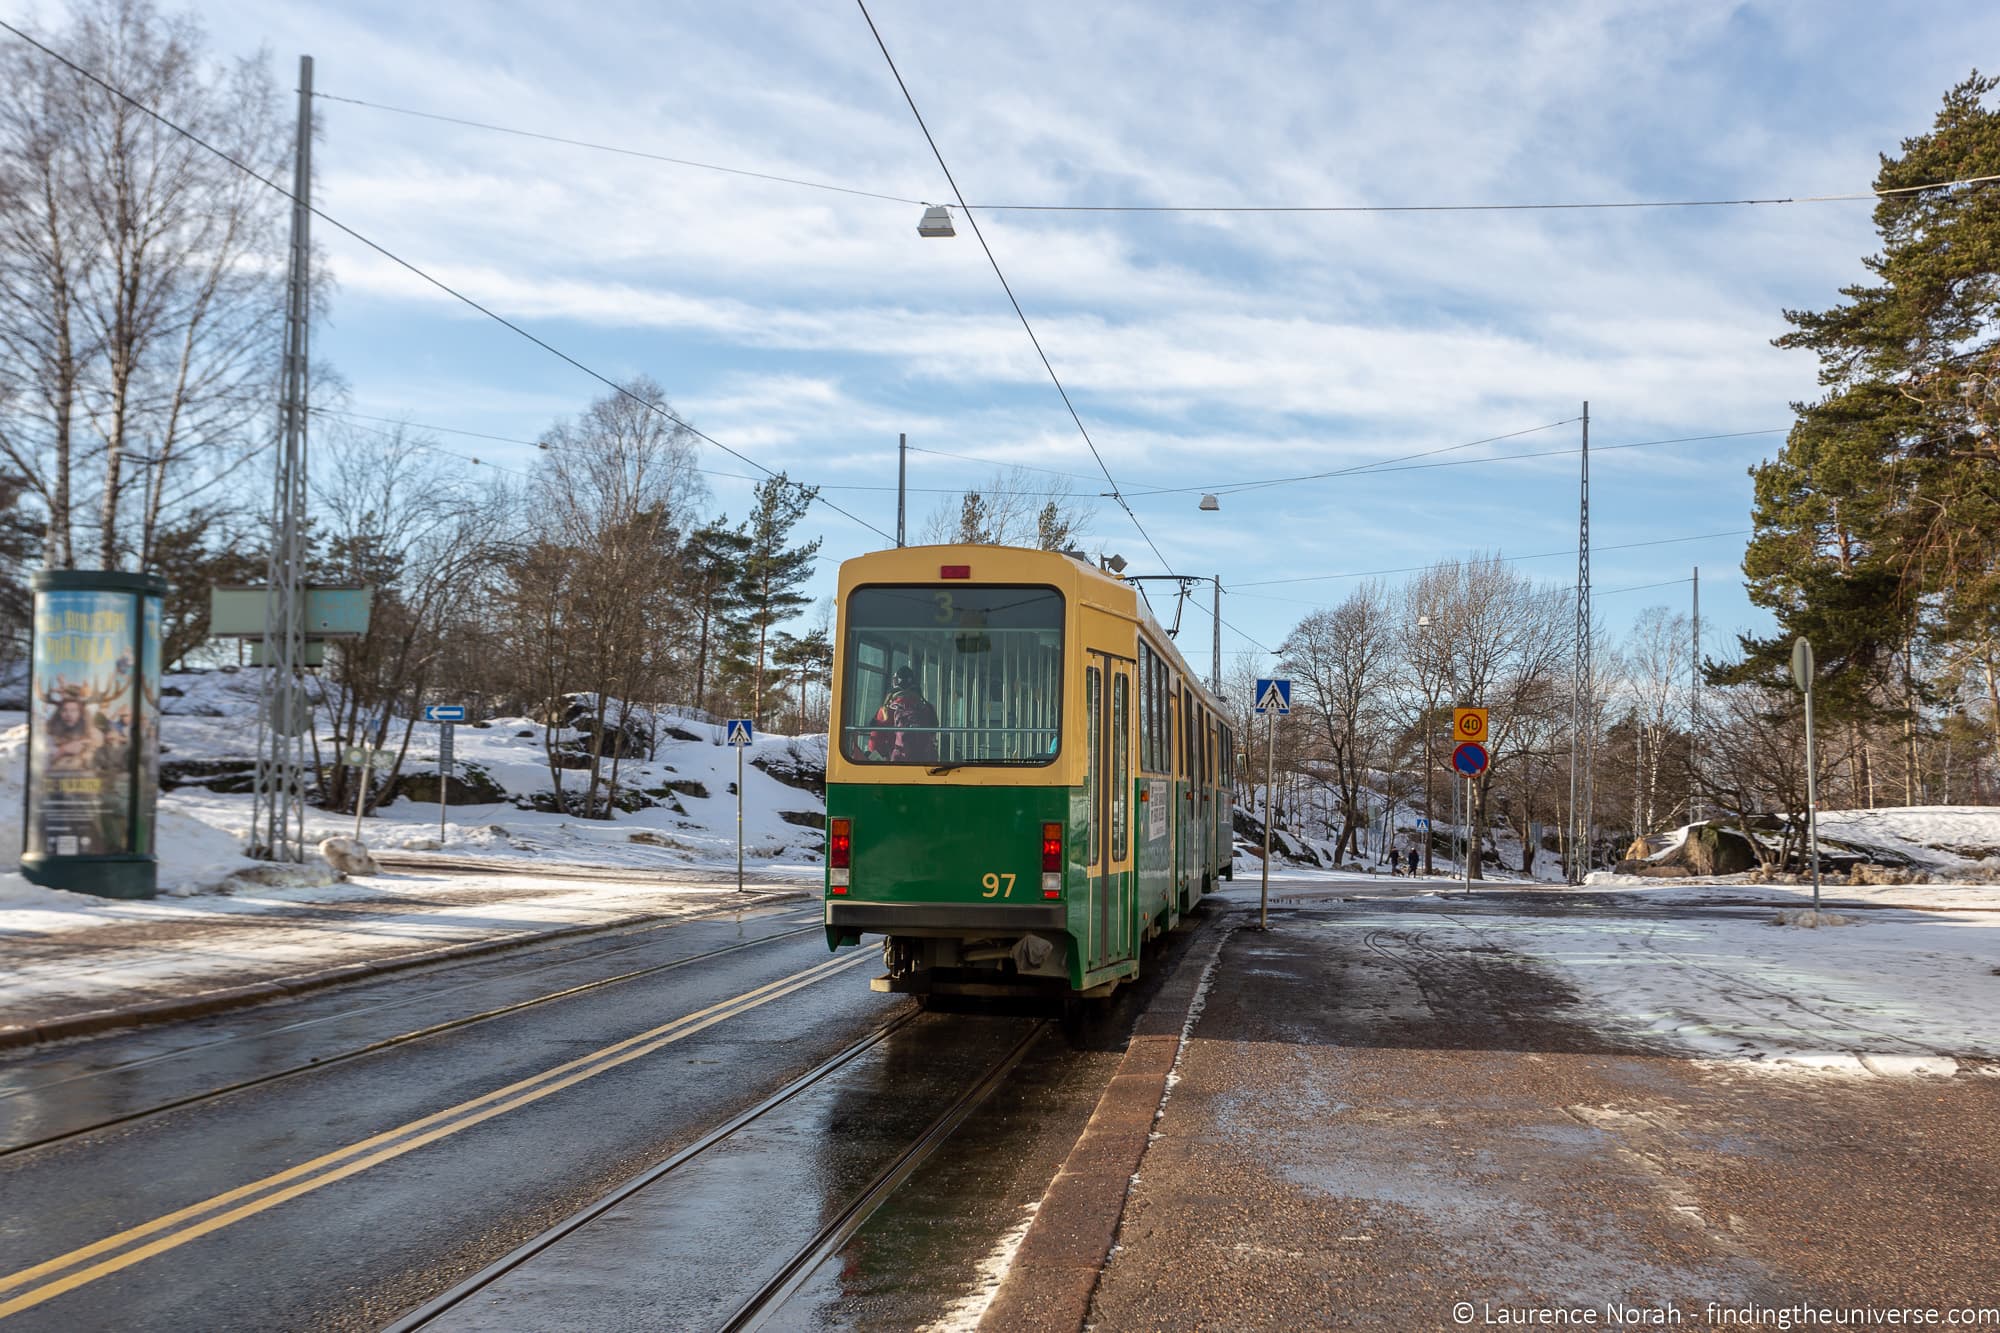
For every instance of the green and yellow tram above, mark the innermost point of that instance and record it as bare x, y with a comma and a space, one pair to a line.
1025, 782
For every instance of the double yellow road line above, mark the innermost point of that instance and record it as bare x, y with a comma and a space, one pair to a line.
45, 1281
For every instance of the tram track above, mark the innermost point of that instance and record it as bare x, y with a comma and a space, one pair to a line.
797, 1266
383, 1044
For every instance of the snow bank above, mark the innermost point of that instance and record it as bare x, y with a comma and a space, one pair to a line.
209, 718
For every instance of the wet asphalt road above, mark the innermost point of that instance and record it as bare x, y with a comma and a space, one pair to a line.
374, 1230
385, 1142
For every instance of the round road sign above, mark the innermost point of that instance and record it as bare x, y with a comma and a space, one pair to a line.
1469, 759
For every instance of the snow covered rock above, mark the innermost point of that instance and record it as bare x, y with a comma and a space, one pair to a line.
349, 856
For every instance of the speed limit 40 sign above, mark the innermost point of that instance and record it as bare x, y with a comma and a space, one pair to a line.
1468, 726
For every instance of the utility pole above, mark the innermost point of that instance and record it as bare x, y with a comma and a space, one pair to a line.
1215, 645
902, 483
278, 814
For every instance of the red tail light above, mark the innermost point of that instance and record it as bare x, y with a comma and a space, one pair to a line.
954, 571
840, 844
1051, 847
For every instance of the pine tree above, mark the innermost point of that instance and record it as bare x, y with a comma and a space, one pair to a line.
772, 573
712, 568
1879, 522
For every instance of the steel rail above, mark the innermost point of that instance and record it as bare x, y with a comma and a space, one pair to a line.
841, 1229
528, 1249
386, 1043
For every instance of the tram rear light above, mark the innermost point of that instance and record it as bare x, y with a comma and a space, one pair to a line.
1051, 848
954, 571
840, 844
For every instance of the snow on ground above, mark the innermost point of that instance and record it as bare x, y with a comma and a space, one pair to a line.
211, 720
1904, 989
142, 951
1893, 992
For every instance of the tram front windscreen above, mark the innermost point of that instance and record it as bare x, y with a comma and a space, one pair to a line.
953, 675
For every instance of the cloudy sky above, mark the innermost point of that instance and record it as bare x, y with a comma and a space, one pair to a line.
806, 327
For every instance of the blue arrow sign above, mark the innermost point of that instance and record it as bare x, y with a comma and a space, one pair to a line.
739, 731
1274, 695
444, 712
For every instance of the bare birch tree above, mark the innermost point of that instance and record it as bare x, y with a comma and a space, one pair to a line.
141, 277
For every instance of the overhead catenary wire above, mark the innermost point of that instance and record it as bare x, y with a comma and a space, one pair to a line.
1528, 207
544, 446
1505, 559
1384, 465
1008, 288
624, 152
417, 271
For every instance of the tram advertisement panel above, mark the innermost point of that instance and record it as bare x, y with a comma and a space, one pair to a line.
85, 660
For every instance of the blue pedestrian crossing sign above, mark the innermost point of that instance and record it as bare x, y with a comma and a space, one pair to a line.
1423, 824
1274, 695
739, 731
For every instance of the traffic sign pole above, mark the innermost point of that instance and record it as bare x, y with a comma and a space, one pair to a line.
1802, 674
1270, 752
361, 794
1471, 837
444, 772
1273, 696
739, 730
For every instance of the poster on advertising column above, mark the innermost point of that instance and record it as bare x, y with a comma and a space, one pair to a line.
93, 754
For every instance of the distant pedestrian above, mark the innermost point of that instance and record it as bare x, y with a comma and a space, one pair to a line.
1413, 860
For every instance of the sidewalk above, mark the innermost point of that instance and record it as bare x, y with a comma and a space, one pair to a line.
1379, 1122
70, 965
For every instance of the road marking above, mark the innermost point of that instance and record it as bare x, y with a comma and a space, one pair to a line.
378, 1148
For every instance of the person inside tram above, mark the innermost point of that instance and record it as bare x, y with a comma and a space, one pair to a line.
913, 739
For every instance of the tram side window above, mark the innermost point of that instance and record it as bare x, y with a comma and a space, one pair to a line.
961, 675
1093, 709
1147, 730
1154, 702
1121, 777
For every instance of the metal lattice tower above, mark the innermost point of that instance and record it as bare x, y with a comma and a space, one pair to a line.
278, 820
1583, 692
1694, 711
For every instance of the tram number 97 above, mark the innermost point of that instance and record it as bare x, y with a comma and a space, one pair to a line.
996, 886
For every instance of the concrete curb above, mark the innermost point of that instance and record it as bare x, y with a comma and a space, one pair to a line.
1055, 1272
94, 1022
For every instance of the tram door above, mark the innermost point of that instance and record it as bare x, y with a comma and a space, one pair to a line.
1108, 792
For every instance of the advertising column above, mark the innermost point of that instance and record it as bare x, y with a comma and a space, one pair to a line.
94, 734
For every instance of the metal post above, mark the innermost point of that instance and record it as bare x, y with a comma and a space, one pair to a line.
278, 812
902, 474
1812, 796
444, 773
1270, 762
739, 818
1215, 645
361, 787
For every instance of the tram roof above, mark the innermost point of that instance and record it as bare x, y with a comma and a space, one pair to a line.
1018, 564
